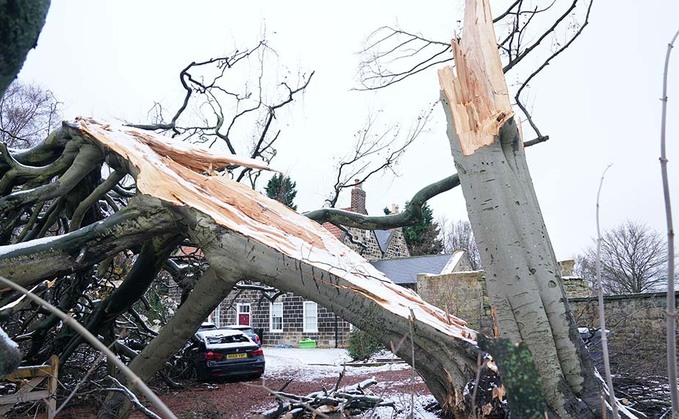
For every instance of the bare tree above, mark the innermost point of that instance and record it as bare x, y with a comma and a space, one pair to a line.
28, 114
458, 235
633, 260
229, 102
374, 151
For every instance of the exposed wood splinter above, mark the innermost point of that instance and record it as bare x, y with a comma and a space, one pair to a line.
477, 95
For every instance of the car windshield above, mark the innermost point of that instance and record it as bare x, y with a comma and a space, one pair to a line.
216, 340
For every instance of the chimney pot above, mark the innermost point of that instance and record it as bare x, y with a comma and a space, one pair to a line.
358, 198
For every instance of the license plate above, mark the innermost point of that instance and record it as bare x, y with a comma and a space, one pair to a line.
236, 356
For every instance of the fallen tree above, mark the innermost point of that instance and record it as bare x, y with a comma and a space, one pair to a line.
242, 234
64, 224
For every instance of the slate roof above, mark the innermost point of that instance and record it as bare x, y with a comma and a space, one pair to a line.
383, 239
405, 270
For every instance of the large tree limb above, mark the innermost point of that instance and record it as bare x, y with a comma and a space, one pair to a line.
240, 230
29, 262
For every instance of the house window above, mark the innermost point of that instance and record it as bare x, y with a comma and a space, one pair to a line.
243, 314
276, 317
217, 316
310, 317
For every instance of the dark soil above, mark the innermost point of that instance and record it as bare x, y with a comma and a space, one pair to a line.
242, 399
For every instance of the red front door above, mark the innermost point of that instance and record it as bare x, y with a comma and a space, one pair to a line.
243, 314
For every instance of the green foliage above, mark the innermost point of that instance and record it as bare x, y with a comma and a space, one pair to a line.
519, 376
282, 189
362, 345
422, 238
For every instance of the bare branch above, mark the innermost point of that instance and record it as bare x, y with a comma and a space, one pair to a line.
92, 340
226, 108
547, 61
133, 398
671, 302
392, 54
374, 153
411, 52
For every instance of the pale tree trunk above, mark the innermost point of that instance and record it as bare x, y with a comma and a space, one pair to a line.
210, 290
522, 274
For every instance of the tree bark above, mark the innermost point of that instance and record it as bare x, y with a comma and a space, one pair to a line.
522, 274
30, 262
20, 24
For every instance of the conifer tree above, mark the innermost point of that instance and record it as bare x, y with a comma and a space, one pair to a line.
282, 189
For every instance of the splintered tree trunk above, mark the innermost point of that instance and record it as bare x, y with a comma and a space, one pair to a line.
245, 235
522, 274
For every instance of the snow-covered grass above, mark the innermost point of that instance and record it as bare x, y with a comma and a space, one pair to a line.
309, 365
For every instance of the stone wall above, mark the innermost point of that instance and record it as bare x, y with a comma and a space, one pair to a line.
461, 294
370, 248
397, 247
637, 322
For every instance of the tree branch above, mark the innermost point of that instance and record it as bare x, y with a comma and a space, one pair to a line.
409, 216
30, 262
92, 340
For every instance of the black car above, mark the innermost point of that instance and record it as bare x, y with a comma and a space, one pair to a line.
226, 353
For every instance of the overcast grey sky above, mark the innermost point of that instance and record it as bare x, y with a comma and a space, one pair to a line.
598, 102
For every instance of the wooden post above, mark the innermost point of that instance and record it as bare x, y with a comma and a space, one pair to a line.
52, 386
29, 391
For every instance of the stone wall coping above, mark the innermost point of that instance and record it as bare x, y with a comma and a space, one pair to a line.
642, 295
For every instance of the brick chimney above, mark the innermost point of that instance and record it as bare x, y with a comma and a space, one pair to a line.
358, 198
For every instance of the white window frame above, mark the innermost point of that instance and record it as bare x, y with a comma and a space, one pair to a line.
239, 312
307, 308
271, 317
217, 316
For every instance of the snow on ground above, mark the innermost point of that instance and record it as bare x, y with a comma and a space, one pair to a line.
311, 364
308, 365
